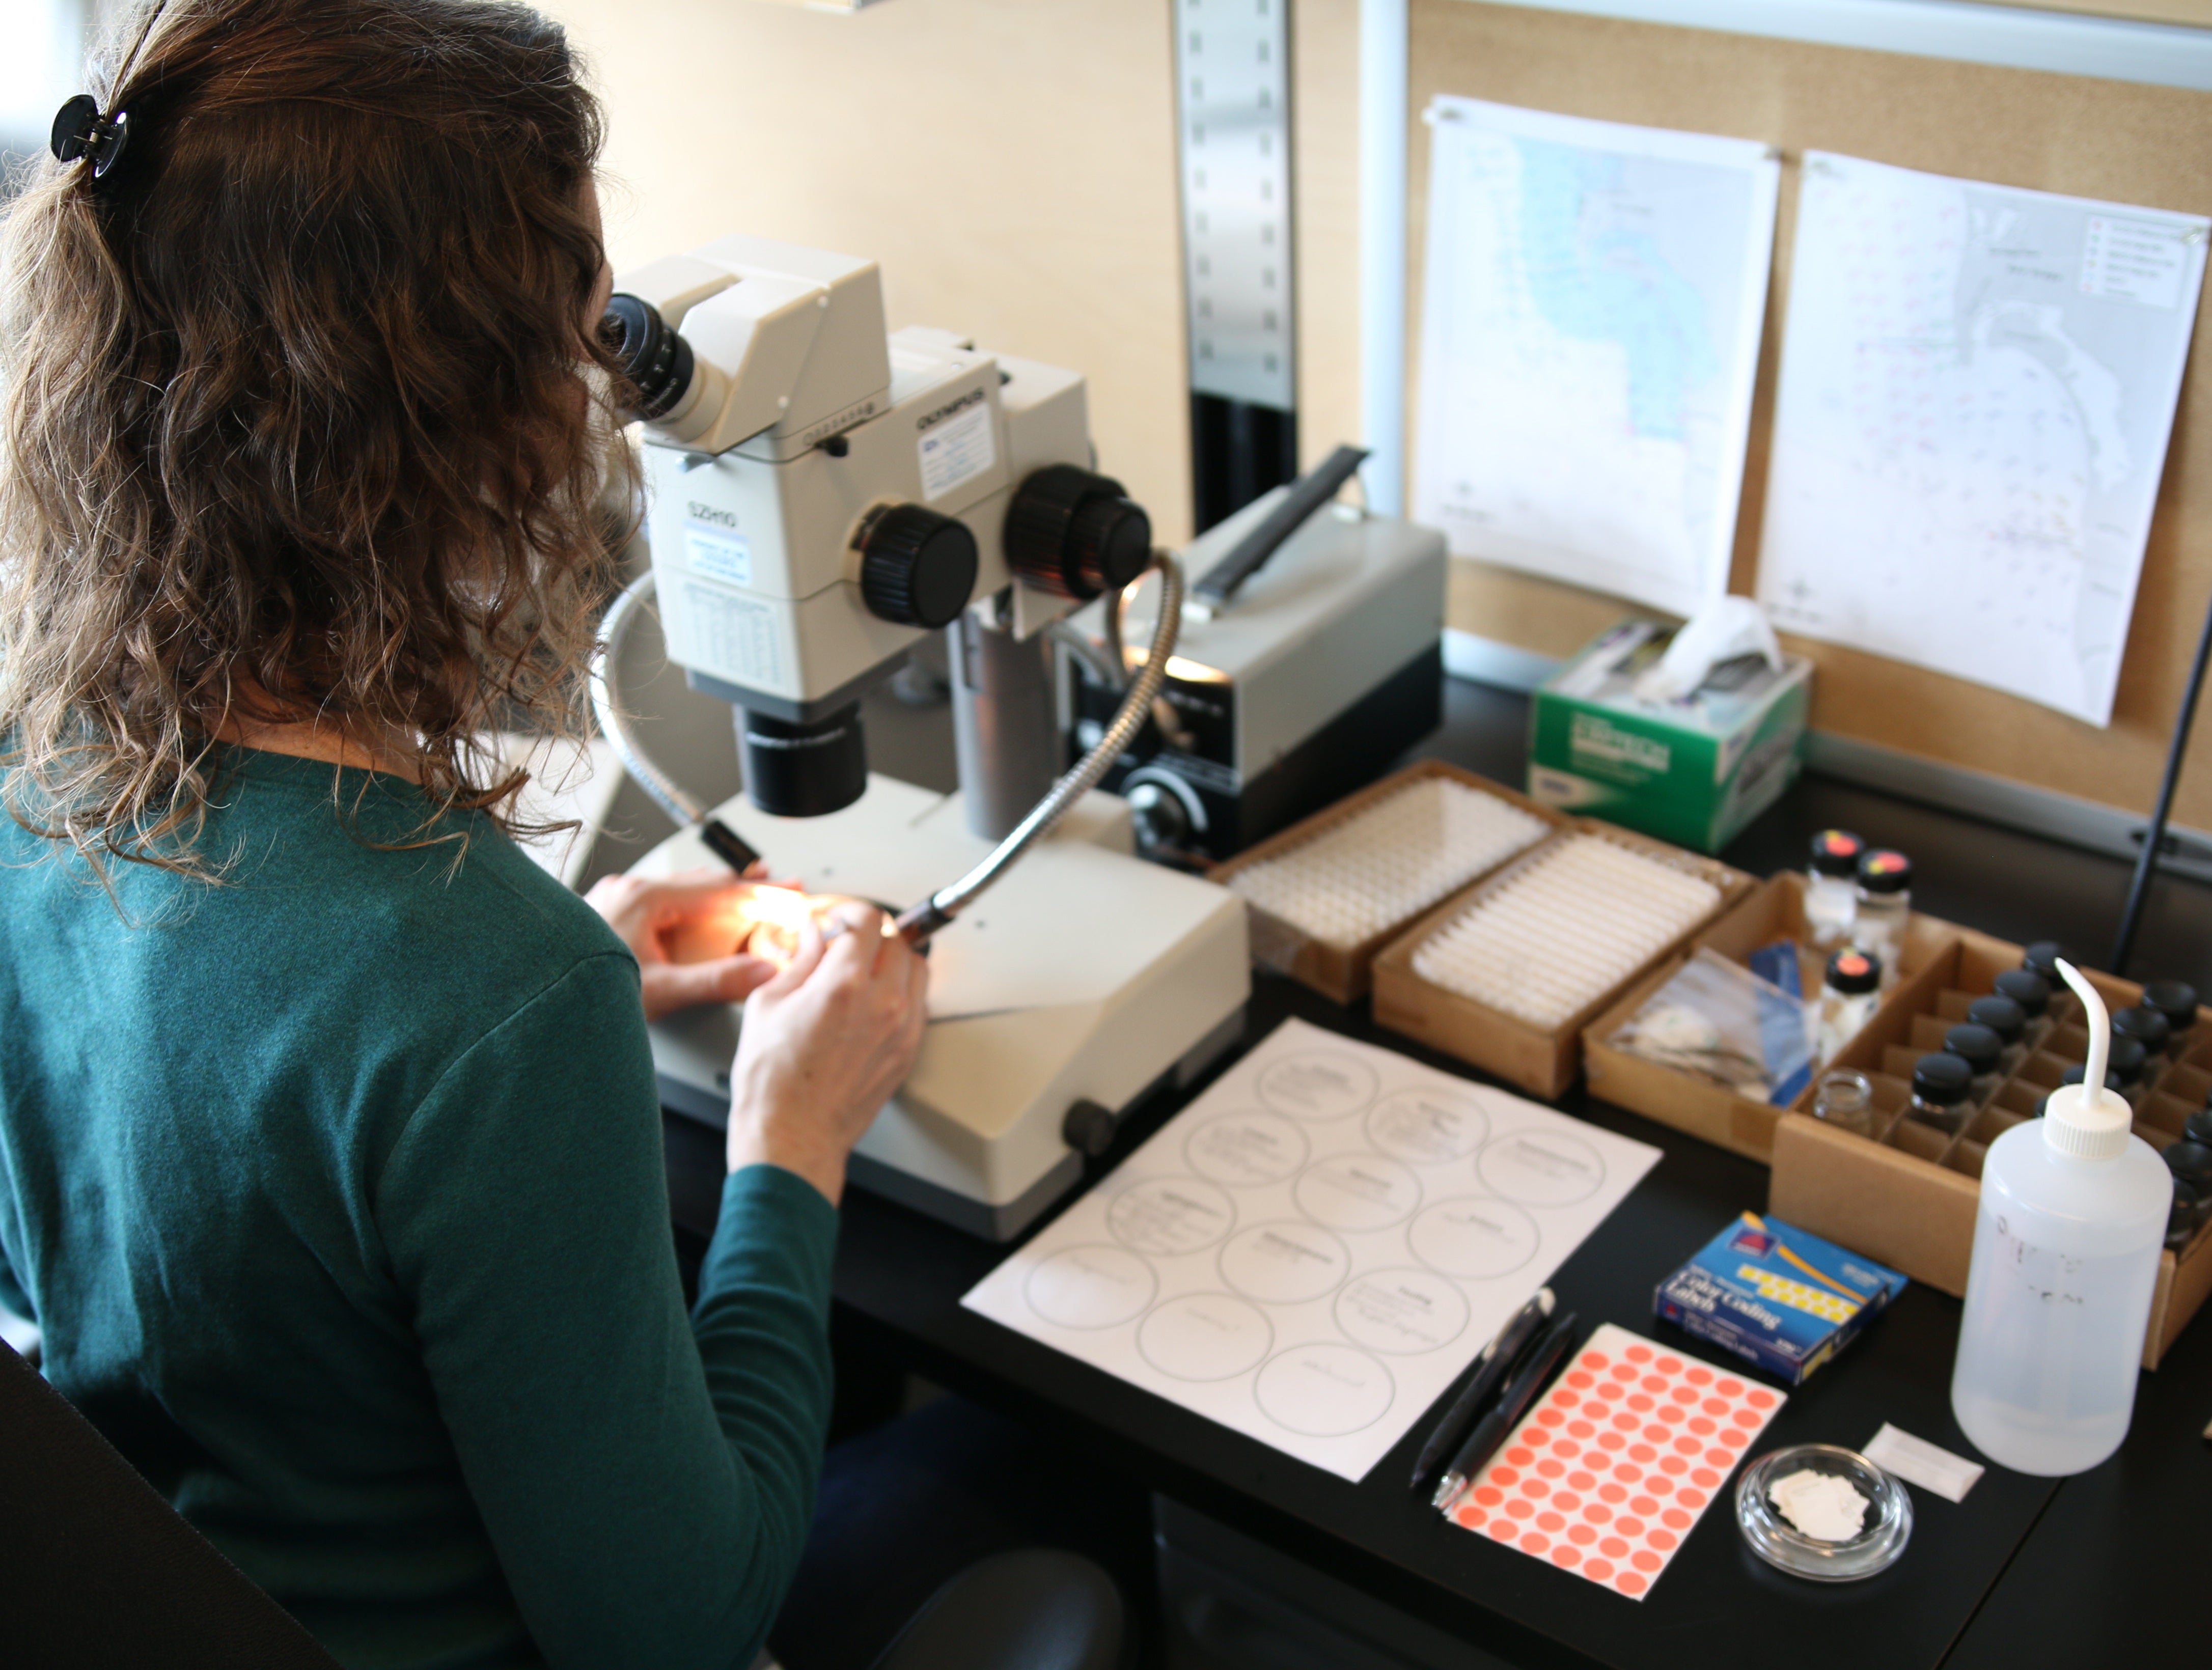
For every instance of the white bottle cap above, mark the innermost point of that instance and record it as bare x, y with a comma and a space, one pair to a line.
2088, 1120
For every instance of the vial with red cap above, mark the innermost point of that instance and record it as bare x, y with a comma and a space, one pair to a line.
1848, 995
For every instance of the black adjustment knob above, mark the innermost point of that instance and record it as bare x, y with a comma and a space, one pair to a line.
1158, 814
1077, 533
1089, 1128
917, 567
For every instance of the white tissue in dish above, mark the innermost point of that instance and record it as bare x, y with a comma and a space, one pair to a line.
1578, 920
1389, 862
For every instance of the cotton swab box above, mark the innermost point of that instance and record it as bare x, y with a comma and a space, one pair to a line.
1389, 862
1556, 936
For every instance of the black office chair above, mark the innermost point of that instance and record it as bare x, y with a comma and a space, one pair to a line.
97, 1570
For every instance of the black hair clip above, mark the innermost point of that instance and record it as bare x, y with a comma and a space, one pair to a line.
80, 131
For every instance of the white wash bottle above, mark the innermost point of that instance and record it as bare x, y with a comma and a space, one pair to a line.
2066, 1243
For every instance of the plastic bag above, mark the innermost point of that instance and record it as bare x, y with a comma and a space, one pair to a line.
1719, 1021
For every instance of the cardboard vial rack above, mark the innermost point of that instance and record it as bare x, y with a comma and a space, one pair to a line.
1343, 972
1774, 910
1908, 1195
1543, 1061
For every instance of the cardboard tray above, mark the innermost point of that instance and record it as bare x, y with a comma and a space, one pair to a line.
1340, 973
1908, 1197
1774, 910
1542, 1061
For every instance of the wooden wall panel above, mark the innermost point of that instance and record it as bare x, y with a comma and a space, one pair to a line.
1009, 162
2137, 144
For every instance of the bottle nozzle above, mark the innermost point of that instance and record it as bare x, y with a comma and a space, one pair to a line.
2087, 1120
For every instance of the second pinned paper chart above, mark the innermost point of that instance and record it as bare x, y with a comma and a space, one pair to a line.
1314, 1249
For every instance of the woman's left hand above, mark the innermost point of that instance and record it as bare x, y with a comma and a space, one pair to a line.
654, 917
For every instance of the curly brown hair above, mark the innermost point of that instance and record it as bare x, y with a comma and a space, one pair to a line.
300, 414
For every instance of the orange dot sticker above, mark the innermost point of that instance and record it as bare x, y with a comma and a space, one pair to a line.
1470, 1516
1600, 1570
1638, 1353
1698, 1375
1614, 1548
1519, 1457
1669, 1365
1550, 1521
1644, 1560
1548, 1468
1581, 1481
1593, 1360
1633, 1583
1489, 1495
1565, 1501
1535, 1542
1674, 1519
1664, 1541
1565, 1554
1582, 1534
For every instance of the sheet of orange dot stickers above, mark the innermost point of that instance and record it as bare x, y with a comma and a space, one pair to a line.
1617, 1461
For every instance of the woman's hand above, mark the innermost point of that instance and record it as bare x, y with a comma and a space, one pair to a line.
825, 1043
655, 917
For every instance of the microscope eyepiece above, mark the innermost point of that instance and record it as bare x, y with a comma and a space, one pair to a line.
656, 359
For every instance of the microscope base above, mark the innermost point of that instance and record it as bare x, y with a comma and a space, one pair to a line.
1085, 975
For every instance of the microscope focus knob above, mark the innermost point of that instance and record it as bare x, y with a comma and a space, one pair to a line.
1076, 533
917, 567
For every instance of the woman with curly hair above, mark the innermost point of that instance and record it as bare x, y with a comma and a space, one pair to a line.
330, 1152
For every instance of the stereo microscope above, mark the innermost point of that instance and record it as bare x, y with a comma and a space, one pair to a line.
823, 494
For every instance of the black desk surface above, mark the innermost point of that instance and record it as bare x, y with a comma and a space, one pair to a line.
2024, 1572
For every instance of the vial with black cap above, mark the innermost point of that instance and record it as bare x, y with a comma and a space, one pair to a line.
1848, 994
2190, 1162
1832, 888
1942, 1090
2032, 994
2040, 957
2074, 1075
1884, 905
2176, 999
1980, 1049
2006, 1018
2148, 1028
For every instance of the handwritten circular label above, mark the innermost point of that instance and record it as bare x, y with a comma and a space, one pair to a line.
1401, 1312
1357, 1192
1323, 1390
1428, 1126
1318, 1086
1245, 1149
1204, 1336
1091, 1287
1474, 1237
1542, 1167
1165, 1215
1284, 1264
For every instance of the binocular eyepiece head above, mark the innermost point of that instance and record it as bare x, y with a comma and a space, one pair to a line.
655, 359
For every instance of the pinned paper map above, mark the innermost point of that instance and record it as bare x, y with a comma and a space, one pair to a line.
1978, 387
1590, 322
1313, 1250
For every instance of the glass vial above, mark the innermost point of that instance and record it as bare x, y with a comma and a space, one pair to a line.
2176, 999
1845, 1099
1980, 1049
2032, 994
1849, 993
1832, 888
2041, 959
2074, 1075
1884, 903
2131, 1062
2004, 1018
2148, 1028
1943, 1085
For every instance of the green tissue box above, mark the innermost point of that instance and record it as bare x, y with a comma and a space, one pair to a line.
1693, 772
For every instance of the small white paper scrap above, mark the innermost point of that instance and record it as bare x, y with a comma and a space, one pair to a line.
1312, 1250
1916, 1462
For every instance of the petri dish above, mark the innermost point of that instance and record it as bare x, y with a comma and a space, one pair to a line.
1887, 1528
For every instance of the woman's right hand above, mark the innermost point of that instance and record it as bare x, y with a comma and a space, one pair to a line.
824, 1045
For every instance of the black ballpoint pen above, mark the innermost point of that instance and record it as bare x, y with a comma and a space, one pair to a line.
1535, 1373
1496, 1363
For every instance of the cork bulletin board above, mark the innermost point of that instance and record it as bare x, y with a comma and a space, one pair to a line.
2150, 146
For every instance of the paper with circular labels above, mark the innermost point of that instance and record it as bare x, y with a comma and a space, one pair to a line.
1092, 1287
1285, 1263
1428, 1126
1246, 1148
1474, 1236
1319, 1086
1401, 1312
1204, 1336
1542, 1167
1324, 1391
1168, 1216
1311, 1252
1357, 1192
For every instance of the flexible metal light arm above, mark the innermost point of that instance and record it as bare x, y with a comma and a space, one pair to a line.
614, 724
918, 922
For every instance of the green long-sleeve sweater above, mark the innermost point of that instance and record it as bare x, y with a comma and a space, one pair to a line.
337, 1191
